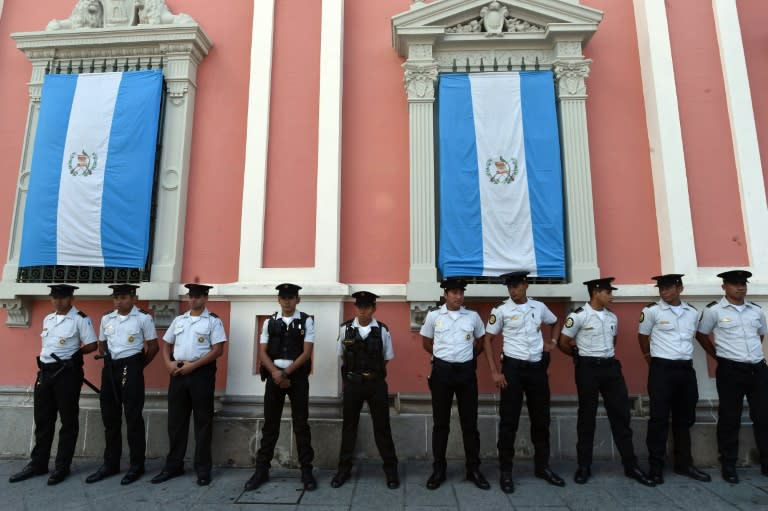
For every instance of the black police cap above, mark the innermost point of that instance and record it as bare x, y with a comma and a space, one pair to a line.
62, 290
669, 279
364, 298
123, 289
735, 276
453, 283
604, 283
197, 289
514, 277
286, 289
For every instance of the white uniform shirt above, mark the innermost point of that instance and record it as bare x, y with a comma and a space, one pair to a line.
671, 335
63, 333
309, 334
125, 335
594, 333
193, 336
521, 326
737, 333
453, 333
386, 339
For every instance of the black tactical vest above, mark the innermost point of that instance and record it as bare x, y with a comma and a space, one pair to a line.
363, 355
286, 341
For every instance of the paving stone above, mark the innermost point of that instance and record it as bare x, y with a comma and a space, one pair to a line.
278, 490
693, 496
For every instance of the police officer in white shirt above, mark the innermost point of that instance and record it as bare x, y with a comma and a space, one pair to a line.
285, 351
666, 333
365, 348
192, 344
589, 336
68, 334
731, 330
452, 334
128, 342
524, 364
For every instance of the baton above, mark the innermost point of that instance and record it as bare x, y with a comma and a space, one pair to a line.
65, 364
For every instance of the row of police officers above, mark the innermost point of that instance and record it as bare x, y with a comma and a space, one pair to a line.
730, 330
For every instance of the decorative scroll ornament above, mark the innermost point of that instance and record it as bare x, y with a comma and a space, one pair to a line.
420, 80
119, 13
571, 76
494, 20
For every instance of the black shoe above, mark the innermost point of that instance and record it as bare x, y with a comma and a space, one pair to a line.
203, 478
729, 474
506, 482
657, 475
58, 475
103, 472
764, 470
259, 477
474, 475
436, 479
310, 483
341, 477
393, 480
165, 474
29, 471
638, 475
582, 475
549, 476
133, 474
693, 473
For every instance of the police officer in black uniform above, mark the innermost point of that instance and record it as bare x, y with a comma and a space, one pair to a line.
191, 346
285, 351
589, 336
524, 364
665, 334
731, 331
128, 342
68, 334
452, 334
365, 347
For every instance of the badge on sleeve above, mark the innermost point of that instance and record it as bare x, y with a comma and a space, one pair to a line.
569, 322
492, 319
642, 317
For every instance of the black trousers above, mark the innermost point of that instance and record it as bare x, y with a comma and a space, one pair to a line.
735, 380
274, 400
56, 396
529, 379
672, 390
459, 379
375, 393
191, 394
122, 390
596, 377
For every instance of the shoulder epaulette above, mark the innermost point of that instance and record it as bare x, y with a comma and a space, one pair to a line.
469, 309
499, 304
382, 325
82, 314
213, 314
347, 322
108, 312
651, 304
756, 305
710, 304
691, 306
143, 311
580, 309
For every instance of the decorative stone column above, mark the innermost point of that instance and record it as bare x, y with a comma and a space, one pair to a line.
570, 74
420, 79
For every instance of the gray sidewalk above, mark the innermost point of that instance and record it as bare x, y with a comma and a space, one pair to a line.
607, 490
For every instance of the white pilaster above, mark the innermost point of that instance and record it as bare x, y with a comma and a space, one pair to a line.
743, 132
670, 184
257, 142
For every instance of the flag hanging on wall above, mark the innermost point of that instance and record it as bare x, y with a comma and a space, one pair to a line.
501, 194
90, 188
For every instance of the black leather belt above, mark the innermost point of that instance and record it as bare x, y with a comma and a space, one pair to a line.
671, 363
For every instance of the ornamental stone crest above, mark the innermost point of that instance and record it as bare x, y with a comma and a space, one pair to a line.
494, 20
119, 13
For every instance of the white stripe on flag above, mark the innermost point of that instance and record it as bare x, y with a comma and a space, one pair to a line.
80, 193
505, 205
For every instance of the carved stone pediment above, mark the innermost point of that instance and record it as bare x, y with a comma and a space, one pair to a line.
548, 21
119, 13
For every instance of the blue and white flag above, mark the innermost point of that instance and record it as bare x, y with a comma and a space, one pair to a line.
501, 193
90, 188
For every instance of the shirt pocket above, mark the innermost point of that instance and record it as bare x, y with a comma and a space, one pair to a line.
466, 329
202, 331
